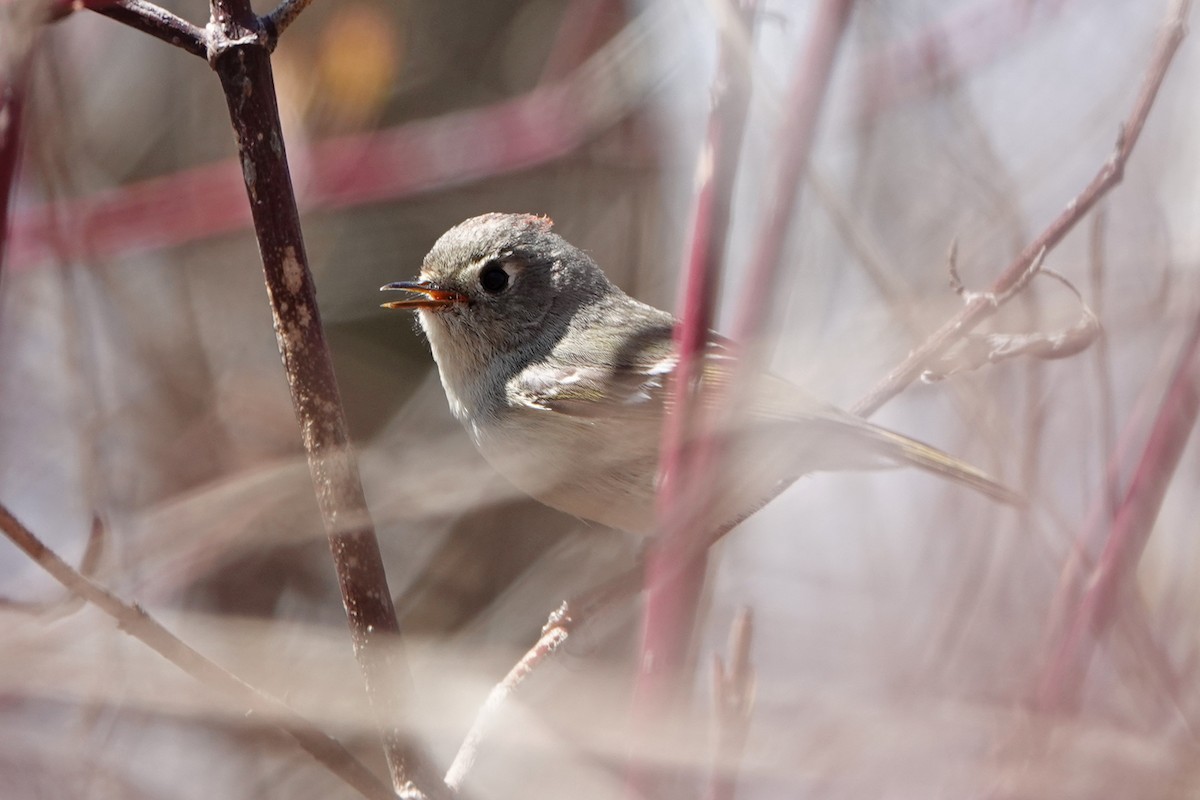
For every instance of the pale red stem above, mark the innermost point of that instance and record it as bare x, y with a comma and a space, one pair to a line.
1128, 531
810, 83
677, 561
12, 106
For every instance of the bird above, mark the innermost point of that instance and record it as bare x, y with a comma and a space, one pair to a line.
562, 381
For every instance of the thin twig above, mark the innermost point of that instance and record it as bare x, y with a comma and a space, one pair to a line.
242, 62
554, 634
1104, 378
158, 22
52, 610
137, 623
283, 15
733, 701
1109, 175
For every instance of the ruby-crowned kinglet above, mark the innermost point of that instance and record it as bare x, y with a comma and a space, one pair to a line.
561, 381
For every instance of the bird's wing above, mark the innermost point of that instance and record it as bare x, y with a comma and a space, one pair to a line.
633, 384
769, 411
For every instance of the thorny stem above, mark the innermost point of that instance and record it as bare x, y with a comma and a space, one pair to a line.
241, 60
1109, 175
141, 626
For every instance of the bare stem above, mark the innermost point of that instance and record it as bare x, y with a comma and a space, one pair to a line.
733, 701
1128, 530
242, 62
141, 626
810, 82
284, 15
554, 634
158, 22
12, 106
1109, 175
676, 563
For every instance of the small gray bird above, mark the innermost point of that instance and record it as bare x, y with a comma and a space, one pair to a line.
561, 381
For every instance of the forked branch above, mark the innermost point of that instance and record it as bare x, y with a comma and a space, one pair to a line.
1108, 176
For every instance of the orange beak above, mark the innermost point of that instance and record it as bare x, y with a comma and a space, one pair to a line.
432, 296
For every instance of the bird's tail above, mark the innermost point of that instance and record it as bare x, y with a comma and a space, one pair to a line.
904, 450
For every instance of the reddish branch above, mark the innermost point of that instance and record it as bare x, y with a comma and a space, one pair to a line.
1109, 175
810, 83
242, 63
1128, 531
348, 171
676, 562
141, 626
12, 106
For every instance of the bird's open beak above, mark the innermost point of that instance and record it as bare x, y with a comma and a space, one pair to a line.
432, 296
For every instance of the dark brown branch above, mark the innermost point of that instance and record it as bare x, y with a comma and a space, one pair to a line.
242, 62
137, 623
1109, 175
158, 22
283, 15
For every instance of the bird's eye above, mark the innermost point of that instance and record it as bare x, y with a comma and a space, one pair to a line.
493, 278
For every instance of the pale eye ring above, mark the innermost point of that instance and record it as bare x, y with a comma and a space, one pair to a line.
493, 277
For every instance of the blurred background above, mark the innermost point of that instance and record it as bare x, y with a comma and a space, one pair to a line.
902, 625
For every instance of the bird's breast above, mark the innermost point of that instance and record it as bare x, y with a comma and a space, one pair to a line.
594, 469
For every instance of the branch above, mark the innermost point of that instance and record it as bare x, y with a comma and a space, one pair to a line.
137, 623
810, 83
554, 634
733, 698
1109, 175
1128, 530
676, 562
282, 16
156, 21
12, 106
404, 161
242, 62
